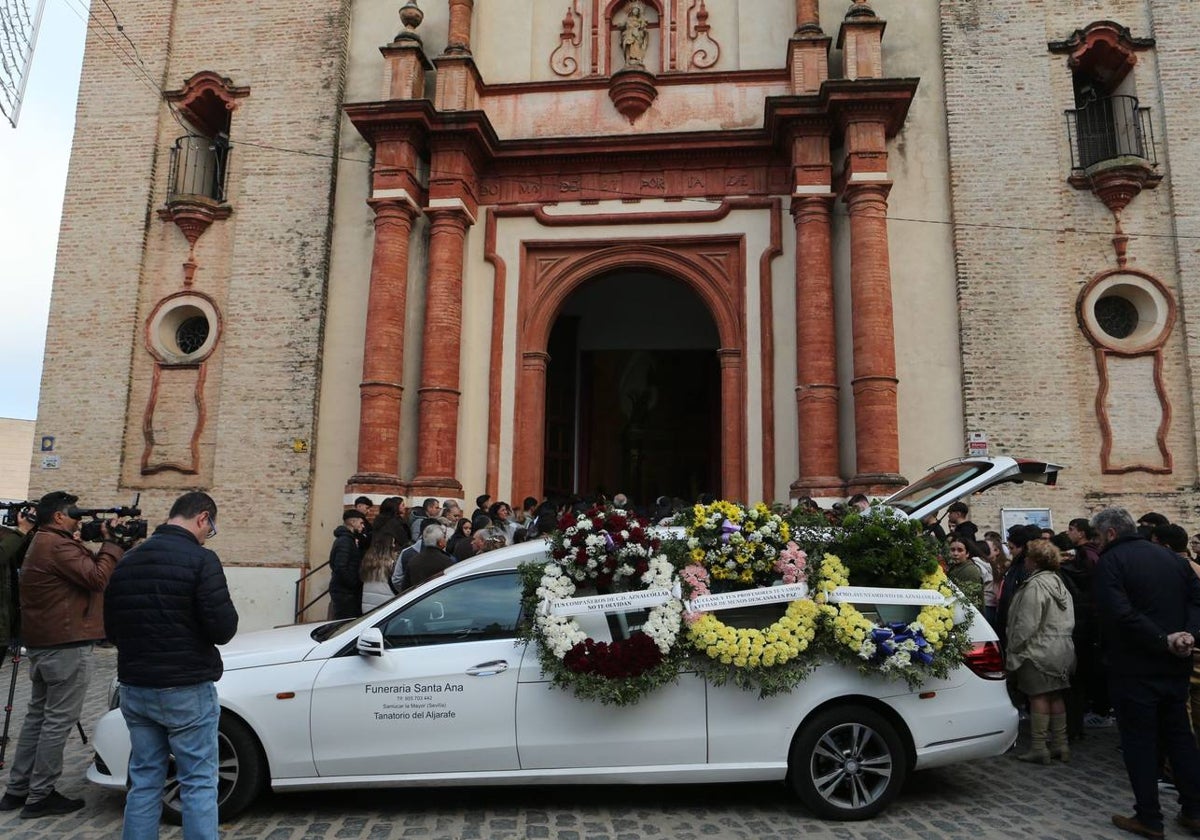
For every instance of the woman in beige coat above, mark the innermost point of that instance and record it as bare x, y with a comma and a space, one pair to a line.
1040, 652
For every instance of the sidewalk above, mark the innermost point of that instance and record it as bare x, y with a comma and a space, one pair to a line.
102, 816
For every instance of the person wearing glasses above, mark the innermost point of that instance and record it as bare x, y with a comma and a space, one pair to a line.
166, 609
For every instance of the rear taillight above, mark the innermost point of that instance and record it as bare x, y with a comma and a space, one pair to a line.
985, 659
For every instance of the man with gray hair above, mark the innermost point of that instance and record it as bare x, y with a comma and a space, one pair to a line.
1148, 601
432, 559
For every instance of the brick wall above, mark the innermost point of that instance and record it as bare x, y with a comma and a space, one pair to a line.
265, 267
1029, 375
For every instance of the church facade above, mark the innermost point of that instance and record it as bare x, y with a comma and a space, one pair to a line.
763, 250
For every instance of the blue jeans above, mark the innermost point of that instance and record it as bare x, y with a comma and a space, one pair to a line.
162, 722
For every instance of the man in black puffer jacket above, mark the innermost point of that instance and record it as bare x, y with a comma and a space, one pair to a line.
166, 608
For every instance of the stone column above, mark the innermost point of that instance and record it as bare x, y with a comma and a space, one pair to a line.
876, 422
437, 433
382, 389
459, 40
733, 441
816, 350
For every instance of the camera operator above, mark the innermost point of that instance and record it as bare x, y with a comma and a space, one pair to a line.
13, 545
62, 617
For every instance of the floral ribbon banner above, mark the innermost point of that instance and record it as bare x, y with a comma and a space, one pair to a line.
880, 595
748, 598
612, 603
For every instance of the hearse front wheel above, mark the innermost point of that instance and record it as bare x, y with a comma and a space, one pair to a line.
241, 773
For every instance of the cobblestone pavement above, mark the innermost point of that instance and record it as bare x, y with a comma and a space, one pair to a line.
1000, 798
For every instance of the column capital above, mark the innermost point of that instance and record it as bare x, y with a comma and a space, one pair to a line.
391, 209
443, 211
865, 195
813, 206
535, 360
730, 357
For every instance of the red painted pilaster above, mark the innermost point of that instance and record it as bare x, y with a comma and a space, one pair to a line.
382, 391
528, 472
876, 422
438, 397
816, 350
733, 423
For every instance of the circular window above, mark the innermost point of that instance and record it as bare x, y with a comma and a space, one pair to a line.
191, 334
1125, 311
183, 329
1117, 316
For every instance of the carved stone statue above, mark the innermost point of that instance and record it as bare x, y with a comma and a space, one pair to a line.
635, 35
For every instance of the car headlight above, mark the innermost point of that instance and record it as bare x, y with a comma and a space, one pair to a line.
114, 695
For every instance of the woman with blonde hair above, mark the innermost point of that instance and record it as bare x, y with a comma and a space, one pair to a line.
1040, 651
376, 570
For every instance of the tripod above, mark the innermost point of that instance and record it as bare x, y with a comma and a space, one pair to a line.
8, 707
15, 650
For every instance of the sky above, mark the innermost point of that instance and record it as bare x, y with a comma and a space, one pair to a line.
33, 174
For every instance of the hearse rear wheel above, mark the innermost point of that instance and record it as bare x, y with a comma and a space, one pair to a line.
848, 763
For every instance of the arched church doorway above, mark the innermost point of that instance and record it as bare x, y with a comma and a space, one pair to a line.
633, 391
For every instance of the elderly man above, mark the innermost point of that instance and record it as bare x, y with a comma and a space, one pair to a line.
1148, 601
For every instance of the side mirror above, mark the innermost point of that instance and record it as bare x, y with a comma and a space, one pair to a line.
370, 642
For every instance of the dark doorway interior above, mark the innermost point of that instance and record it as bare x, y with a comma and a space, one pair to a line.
633, 393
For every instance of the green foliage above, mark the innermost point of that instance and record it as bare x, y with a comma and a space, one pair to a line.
881, 547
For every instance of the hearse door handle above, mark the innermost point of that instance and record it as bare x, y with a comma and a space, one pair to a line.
488, 669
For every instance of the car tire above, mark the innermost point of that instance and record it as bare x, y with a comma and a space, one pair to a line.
241, 773
847, 763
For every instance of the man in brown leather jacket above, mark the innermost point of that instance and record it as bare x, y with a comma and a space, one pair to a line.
62, 617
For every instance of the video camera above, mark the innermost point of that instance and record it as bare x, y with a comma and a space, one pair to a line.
124, 534
12, 510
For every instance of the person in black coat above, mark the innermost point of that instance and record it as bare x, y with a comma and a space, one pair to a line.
345, 560
1148, 604
166, 608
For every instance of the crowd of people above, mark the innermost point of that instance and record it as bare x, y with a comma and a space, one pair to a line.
1098, 625
381, 551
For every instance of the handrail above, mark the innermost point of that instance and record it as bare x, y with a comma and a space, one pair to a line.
300, 610
198, 166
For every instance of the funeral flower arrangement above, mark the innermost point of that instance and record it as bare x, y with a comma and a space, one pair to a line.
608, 552
743, 556
733, 593
884, 548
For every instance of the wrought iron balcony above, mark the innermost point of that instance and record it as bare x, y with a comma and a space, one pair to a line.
198, 166
1111, 130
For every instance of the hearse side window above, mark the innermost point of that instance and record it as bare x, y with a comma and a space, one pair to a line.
484, 607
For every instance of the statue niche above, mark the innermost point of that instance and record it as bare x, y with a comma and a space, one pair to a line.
635, 28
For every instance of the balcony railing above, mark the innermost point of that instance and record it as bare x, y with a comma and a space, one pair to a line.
198, 167
1110, 129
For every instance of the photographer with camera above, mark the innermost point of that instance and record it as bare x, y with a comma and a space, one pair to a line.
62, 617
14, 542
